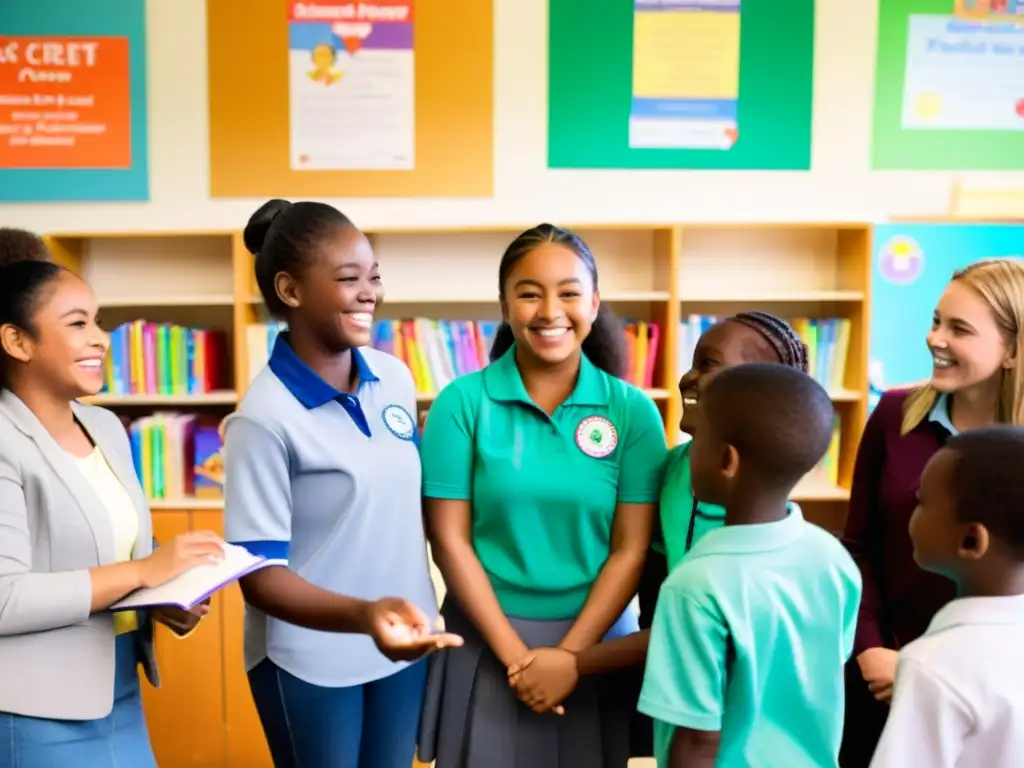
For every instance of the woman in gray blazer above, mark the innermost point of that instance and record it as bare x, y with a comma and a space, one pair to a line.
75, 537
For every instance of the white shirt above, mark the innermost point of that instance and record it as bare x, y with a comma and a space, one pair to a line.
958, 698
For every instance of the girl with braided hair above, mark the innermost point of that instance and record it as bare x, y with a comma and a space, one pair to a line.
748, 337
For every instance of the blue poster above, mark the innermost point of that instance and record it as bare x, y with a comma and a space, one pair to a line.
912, 263
73, 110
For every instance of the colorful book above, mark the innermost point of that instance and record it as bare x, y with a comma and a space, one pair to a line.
165, 359
439, 351
827, 340
176, 456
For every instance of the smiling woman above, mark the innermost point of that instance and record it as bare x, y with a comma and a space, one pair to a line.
977, 342
75, 535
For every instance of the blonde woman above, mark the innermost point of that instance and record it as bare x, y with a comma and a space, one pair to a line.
975, 341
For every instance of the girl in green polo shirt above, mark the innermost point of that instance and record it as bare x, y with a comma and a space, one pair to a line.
748, 337
541, 474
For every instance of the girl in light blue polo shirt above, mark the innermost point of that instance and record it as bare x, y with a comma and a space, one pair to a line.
541, 475
322, 472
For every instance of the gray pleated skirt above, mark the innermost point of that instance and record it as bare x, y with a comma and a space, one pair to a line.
473, 719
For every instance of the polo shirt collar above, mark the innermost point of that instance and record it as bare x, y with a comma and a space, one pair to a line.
503, 382
978, 610
940, 414
745, 539
307, 387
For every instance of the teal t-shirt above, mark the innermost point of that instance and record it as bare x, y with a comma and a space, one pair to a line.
683, 522
544, 489
750, 637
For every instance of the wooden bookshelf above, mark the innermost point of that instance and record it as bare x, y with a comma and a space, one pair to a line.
657, 273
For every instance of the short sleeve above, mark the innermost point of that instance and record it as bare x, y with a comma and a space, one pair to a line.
684, 682
927, 721
851, 606
446, 448
644, 452
257, 488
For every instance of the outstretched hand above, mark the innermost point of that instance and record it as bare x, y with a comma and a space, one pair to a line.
402, 631
544, 678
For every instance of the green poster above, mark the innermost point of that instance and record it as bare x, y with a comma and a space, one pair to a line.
949, 93
696, 84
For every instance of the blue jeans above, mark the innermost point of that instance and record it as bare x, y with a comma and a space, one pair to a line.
363, 726
119, 740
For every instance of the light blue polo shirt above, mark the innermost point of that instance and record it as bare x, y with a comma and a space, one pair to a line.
331, 482
750, 636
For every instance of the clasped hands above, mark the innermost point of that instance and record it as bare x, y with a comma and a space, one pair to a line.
543, 678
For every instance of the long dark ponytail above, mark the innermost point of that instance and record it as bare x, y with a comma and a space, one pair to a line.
605, 345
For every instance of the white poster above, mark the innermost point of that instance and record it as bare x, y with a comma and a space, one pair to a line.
964, 75
351, 85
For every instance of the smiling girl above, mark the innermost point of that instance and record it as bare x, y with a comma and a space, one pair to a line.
976, 340
748, 337
541, 474
322, 472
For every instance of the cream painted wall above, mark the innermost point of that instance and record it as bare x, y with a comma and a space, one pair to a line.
840, 186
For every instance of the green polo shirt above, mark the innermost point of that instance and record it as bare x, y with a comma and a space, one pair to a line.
544, 489
680, 527
750, 637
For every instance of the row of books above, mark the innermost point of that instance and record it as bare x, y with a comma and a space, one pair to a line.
827, 471
165, 359
177, 455
439, 351
827, 340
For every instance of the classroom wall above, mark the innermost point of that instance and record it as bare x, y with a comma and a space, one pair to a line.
840, 186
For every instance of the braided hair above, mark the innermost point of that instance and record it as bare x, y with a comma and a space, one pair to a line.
779, 334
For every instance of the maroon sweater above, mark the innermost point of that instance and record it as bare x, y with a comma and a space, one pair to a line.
899, 598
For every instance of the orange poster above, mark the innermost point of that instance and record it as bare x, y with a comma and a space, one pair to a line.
65, 103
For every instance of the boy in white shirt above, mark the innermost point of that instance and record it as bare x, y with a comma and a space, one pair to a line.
958, 697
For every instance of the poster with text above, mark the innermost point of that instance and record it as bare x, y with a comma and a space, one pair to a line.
73, 101
949, 87
351, 85
701, 84
913, 263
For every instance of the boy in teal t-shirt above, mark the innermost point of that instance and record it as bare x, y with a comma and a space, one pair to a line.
753, 627
747, 337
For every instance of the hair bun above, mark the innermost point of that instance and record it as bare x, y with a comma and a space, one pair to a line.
259, 223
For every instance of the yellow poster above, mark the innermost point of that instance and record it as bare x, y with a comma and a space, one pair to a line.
686, 72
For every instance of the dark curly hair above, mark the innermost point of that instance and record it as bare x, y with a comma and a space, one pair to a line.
21, 245
605, 345
780, 335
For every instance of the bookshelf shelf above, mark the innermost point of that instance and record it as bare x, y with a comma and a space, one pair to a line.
224, 397
654, 394
186, 503
784, 297
845, 395
184, 300
817, 491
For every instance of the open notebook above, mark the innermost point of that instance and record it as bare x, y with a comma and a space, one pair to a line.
198, 583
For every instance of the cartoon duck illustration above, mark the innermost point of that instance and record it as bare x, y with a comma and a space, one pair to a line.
324, 58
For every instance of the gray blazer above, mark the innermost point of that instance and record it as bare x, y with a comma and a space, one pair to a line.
57, 659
